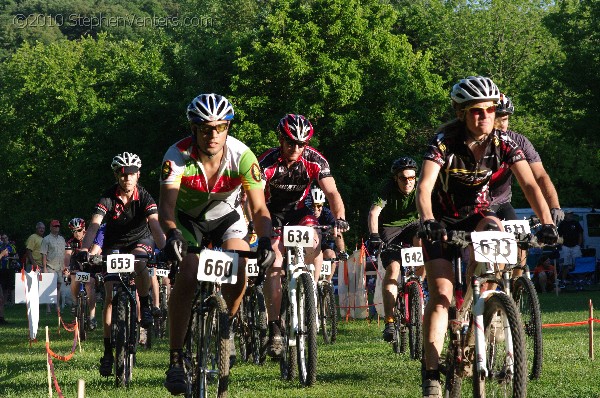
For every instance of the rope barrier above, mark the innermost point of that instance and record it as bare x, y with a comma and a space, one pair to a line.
52, 380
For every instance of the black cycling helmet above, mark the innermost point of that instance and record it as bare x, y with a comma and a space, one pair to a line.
504, 106
403, 163
295, 127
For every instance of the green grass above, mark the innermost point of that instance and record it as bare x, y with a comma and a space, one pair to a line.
360, 364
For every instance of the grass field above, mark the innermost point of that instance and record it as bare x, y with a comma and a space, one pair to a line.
360, 364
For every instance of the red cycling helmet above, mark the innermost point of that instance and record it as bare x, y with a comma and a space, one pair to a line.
295, 127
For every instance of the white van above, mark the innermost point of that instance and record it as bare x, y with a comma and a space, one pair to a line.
589, 218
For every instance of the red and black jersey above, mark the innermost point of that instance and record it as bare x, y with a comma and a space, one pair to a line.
125, 224
73, 244
463, 184
287, 187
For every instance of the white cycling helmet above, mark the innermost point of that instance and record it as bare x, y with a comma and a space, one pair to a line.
209, 108
475, 88
126, 162
318, 196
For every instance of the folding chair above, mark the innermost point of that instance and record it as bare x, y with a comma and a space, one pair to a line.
584, 271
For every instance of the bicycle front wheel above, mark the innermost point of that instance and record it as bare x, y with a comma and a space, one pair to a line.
306, 338
288, 360
121, 324
507, 369
328, 314
212, 350
526, 298
81, 314
257, 322
415, 320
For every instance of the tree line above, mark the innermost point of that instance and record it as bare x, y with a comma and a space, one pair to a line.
79, 84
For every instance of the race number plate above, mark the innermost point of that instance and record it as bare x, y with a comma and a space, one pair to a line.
120, 263
151, 272
217, 266
516, 226
161, 272
326, 267
82, 276
298, 236
495, 247
412, 257
252, 267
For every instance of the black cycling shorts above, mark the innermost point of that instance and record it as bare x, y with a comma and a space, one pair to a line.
401, 236
504, 211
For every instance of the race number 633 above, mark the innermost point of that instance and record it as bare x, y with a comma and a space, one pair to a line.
495, 247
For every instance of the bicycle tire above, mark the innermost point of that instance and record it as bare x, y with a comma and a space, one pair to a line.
213, 355
526, 298
400, 334
81, 314
499, 310
306, 338
242, 332
164, 310
453, 380
257, 322
327, 314
288, 362
415, 320
121, 323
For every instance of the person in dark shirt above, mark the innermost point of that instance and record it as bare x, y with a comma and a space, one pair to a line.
572, 234
132, 226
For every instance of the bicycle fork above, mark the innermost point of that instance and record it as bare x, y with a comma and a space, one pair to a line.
479, 330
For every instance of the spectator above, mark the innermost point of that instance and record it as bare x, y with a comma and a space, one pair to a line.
33, 246
7, 250
544, 275
572, 234
53, 256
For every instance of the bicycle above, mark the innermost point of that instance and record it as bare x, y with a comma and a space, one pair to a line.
206, 344
408, 309
124, 332
485, 339
81, 307
326, 304
298, 308
525, 295
253, 319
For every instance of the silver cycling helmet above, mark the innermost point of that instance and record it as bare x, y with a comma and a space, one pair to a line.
126, 163
504, 106
209, 108
475, 88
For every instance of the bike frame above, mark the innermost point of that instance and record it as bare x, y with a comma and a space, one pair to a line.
293, 272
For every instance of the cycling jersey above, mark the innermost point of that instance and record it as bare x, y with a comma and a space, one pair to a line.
239, 167
462, 186
73, 244
288, 187
99, 238
397, 209
500, 185
125, 225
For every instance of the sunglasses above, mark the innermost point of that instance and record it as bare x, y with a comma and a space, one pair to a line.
292, 144
207, 128
78, 230
318, 206
407, 178
481, 110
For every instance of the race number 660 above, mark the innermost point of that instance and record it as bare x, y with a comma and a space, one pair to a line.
217, 266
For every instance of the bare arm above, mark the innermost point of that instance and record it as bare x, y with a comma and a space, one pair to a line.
260, 214
91, 232
543, 180
157, 233
336, 205
373, 220
532, 191
427, 179
166, 205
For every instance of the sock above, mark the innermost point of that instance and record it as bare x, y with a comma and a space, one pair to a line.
432, 374
176, 357
145, 301
107, 347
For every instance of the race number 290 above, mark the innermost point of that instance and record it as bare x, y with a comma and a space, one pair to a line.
218, 266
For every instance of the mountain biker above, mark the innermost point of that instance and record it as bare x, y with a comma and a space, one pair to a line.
77, 227
393, 219
329, 247
131, 218
289, 170
201, 181
453, 194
